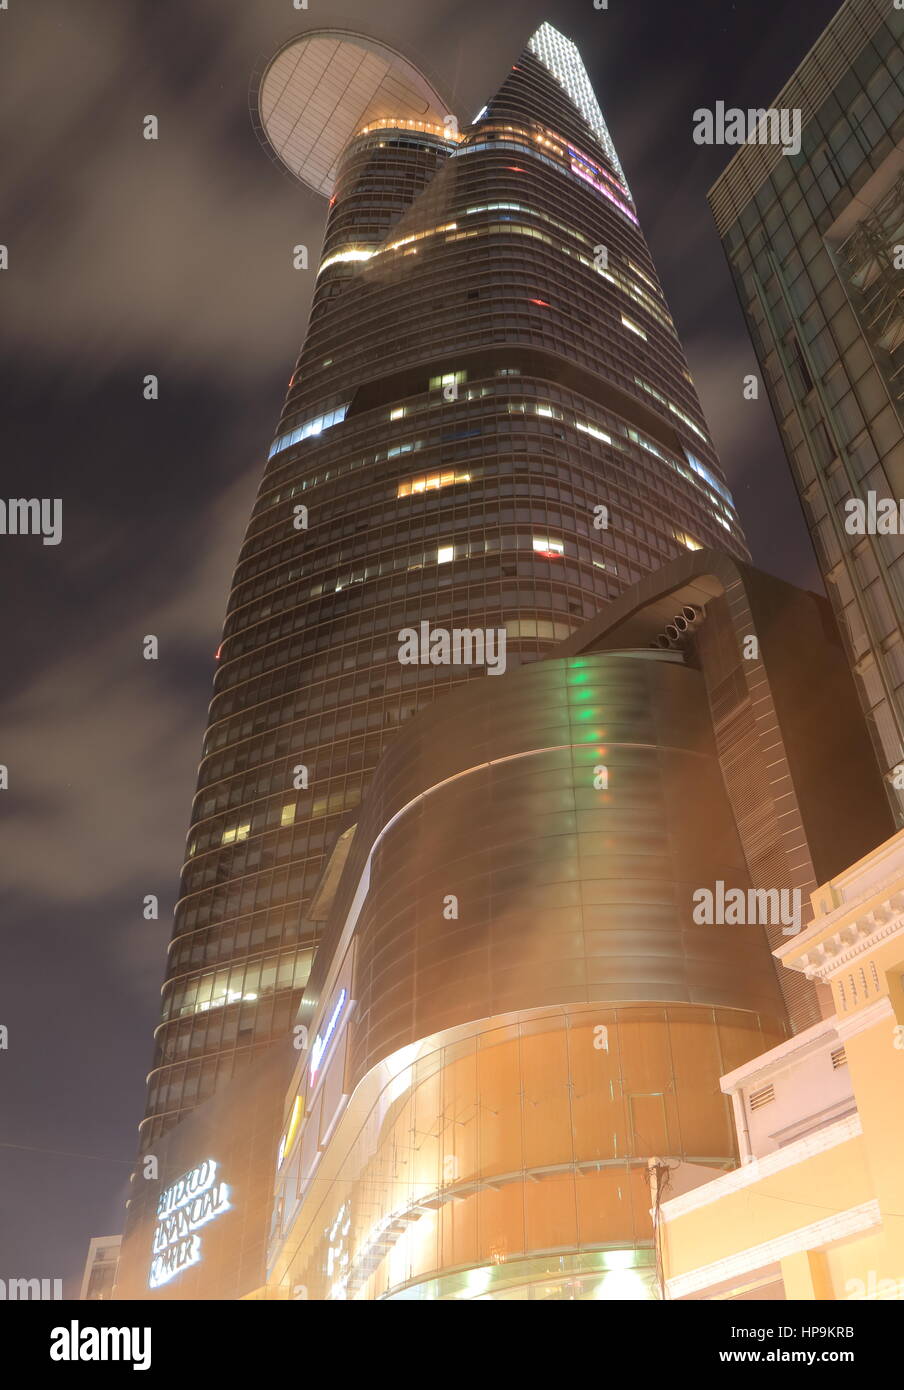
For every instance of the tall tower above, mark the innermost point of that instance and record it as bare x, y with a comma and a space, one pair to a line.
491, 425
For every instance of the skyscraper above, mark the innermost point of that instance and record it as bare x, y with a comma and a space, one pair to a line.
814, 241
491, 426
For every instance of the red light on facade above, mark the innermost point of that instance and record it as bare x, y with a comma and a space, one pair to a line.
516, 169
542, 302
219, 649
550, 554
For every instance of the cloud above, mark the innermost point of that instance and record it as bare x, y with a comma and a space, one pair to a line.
175, 253
100, 744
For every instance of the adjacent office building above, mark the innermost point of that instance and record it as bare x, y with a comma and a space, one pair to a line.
815, 241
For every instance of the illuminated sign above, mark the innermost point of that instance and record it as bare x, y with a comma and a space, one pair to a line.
322, 1040
181, 1210
288, 1138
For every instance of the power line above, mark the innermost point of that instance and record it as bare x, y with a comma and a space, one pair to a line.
66, 1153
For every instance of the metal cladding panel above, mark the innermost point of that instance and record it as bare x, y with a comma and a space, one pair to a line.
565, 892
794, 751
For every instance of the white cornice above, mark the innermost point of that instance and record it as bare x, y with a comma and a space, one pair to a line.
836, 1227
850, 940
819, 1037
829, 1137
868, 1017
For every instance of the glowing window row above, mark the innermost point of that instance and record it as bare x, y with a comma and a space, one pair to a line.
400, 123
320, 806
573, 169
239, 984
700, 473
675, 409
610, 272
431, 482
310, 427
547, 546
553, 412
544, 410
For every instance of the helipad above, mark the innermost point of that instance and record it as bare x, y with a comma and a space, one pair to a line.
321, 88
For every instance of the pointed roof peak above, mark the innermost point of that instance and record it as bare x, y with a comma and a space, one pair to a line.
561, 57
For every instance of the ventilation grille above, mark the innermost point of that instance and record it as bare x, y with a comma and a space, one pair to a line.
839, 1058
764, 1096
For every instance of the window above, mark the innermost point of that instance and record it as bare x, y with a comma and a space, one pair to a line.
551, 549
634, 327
310, 427
430, 482
444, 554
447, 379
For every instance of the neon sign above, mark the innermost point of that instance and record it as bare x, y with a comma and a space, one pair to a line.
322, 1040
182, 1209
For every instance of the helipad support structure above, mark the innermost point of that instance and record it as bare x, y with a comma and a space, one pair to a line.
321, 88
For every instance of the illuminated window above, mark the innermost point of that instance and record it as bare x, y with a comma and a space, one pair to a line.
563, 59
288, 814
349, 254
310, 427
236, 833
401, 123
709, 476
398, 413
430, 482
676, 410
447, 378
634, 327
687, 540
592, 430
445, 553
552, 549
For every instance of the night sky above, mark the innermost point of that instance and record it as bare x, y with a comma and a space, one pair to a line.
129, 257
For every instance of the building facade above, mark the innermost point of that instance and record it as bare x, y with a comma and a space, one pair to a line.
491, 425
514, 1008
815, 242
101, 1266
814, 1210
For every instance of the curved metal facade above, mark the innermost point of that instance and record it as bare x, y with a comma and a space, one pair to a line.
512, 1009
564, 892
